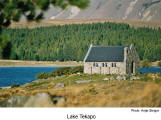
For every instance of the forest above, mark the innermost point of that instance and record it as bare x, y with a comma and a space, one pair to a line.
71, 42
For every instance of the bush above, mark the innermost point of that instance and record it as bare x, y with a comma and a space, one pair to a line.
77, 69
67, 71
157, 81
159, 63
15, 85
145, 63
60, 71
42, 75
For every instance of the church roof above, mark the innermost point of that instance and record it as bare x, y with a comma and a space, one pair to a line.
105, 54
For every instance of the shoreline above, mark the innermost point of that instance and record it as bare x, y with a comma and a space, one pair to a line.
42, 66
24, 63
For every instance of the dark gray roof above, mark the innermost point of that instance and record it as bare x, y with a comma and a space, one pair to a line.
105, 54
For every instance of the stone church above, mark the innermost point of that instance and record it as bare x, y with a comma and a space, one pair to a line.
112, 60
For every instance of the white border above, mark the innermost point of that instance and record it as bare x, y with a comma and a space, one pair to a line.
61, 113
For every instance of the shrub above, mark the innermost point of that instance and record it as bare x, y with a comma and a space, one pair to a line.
145, 63
15, 85
60, 71
157, 81
159, 63
42, 75
93, 91
77, 69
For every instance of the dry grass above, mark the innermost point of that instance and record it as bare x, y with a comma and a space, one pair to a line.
135, 23
117, 94
99, 93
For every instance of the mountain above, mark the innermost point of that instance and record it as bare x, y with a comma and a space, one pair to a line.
146, 10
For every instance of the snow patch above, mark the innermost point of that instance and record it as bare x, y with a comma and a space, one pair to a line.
54, 17
149, 18
146, 14
130, 8
73, 12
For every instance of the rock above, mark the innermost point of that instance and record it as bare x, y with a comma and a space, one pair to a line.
39, 100
83, 81
14, 101
106, 79
78, 73
60, 85
112, 78
58, 100
121, 77
134, 78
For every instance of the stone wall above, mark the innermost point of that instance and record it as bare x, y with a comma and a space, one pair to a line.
119, 69
132, 58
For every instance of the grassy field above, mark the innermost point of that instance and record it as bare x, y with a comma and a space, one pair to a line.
21, 63
100, 92
134, 23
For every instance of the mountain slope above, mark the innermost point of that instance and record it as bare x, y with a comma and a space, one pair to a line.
147, 10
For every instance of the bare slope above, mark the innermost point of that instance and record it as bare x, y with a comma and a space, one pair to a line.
147, 10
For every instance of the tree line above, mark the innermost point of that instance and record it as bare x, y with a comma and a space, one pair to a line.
71, 42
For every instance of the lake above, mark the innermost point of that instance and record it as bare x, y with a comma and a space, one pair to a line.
22, 75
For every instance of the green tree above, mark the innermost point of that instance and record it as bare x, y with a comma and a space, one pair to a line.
71, 42
145, 63
159, 63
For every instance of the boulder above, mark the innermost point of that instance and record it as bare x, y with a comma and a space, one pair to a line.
14, 101
121, 77
134, 78
112, 78
83, 81
38, 100
58, 100
106, 79
60, 85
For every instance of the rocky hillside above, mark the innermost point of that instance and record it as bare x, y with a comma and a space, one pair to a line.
147, 10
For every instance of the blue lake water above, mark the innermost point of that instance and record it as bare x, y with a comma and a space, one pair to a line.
150, 70
22, 75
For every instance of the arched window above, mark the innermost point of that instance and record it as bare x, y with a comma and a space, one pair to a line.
96, 64
103, 65
106, 65
113, 64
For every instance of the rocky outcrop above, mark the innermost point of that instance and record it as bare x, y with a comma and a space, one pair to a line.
38, 100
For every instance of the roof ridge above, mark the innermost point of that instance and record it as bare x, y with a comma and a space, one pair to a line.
110, 46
